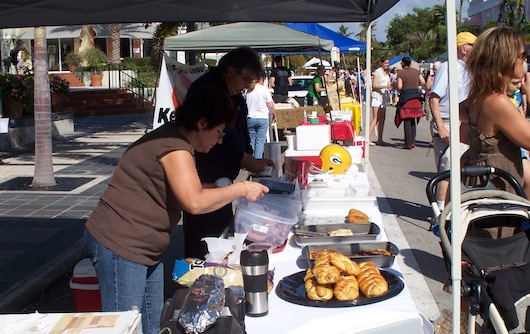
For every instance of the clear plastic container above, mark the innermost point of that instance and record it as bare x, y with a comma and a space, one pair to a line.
264, 221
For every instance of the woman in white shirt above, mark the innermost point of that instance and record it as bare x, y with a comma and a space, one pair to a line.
381, 84
260, 105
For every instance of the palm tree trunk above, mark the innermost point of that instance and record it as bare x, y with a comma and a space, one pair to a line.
115, 42
43, 174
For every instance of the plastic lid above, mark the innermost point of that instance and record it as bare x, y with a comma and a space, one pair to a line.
249, 258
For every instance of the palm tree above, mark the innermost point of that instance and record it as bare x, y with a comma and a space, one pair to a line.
361, 36
43, 174
115, 42
438, 14
343, 30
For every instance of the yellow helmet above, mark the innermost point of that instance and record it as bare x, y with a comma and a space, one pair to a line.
335, 158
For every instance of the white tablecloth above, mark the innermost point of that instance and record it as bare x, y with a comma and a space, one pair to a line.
395, 315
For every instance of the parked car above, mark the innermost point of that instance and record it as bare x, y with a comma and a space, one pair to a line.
299, 88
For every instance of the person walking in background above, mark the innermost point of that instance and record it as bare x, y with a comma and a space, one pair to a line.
381, 85
154, 181
439, 103
409, 81
280, 80
236, 71
260, 109
317, 86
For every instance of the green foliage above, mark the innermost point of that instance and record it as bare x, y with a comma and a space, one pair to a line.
145, 73
163, 30
95, 59
73, 58
58, 84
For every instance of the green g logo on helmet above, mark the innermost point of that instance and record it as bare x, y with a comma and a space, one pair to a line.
335, 159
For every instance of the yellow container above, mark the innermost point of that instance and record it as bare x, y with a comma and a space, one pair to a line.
355, 109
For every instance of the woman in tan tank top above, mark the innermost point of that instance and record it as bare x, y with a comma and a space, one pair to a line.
491, 124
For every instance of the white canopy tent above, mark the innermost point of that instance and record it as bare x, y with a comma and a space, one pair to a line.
260, 36
28, 13
314, 62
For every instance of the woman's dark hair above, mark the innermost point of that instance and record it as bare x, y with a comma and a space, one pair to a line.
209, 103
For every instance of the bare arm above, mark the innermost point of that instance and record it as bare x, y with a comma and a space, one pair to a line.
399, 83
422, 79
185, 184
272, 110
290, 81
499, 114
271, 82
434, 103
464, 121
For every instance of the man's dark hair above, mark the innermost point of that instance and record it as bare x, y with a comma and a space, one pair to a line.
207, 102
406, 61
278, 59
242, 59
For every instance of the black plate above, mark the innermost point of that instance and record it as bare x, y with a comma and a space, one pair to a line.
292, 289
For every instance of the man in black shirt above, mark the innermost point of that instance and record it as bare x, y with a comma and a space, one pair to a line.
280, 80
235, 72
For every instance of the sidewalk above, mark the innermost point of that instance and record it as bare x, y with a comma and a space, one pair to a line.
41, 231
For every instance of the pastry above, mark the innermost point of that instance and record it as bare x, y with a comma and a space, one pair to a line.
324, 257
346, 288
326, 273
371, 282
345, 264
316, 291
308, 274
356, 216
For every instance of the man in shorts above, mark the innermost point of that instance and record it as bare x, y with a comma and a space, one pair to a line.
439, 103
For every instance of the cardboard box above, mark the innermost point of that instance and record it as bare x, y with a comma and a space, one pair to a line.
84, 284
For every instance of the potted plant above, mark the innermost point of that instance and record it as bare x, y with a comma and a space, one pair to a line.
73, 60
59, 87
95, 61
16, 92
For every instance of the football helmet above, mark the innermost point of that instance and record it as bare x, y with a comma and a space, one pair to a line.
335, 159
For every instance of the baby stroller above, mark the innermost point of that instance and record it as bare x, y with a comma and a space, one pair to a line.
495, 250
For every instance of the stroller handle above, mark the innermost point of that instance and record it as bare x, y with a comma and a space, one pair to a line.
473, 171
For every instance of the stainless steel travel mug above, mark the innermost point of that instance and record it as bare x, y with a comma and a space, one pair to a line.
254, 266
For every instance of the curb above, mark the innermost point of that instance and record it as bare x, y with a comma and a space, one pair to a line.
23, 292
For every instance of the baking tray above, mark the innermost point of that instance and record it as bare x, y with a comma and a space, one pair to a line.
292, 289
349, 250
361, 231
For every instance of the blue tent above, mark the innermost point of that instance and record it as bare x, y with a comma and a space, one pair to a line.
396, 62
345, 44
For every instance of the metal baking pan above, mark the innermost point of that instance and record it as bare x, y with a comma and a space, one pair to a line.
318, 234
351, 251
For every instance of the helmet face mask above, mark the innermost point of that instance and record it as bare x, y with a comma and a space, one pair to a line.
335, 159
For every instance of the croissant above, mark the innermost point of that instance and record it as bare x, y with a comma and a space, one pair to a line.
356, 216
308, 274
317, 291
326, 273
371, 282
324, 257
344, 263
346, 288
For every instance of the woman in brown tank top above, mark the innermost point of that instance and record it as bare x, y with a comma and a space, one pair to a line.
491, 124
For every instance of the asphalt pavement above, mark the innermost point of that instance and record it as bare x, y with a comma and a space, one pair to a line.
41, 231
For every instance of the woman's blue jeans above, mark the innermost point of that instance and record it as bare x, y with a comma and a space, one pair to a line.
124, 284
257, 130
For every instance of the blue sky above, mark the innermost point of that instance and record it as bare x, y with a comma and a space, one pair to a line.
403, 7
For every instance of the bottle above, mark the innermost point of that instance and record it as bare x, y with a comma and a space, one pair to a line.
305, 101
255, 267
305, 117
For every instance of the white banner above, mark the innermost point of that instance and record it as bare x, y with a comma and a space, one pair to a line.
175, 79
